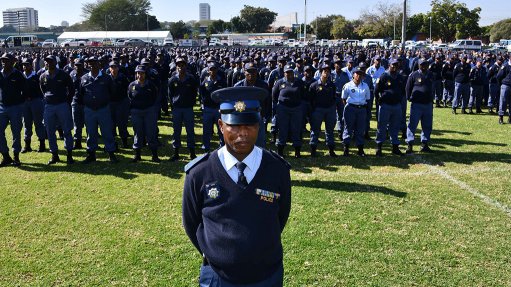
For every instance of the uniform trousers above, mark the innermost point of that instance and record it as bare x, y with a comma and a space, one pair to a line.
78, 120
33, 115
180, 116
505, 100
209, 278
493, 100
12, 115
448, 91
120, 112
144, 126
437, 89
354, 124
339, 106
210, 117
58, 115
476, 96
461, 94
424, 114
103, 119
389, 117
328, 115
289, 125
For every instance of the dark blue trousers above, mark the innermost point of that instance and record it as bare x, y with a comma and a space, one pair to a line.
476, 96
437, 90
505, 100
328, 115
389, 117
461, 94
78, 120
11, 115
33, 116
424, 114
289, 125
58, 115
493, 100
144, 126
354, 124
103, 119
209, 278
448, 91
120, 112
210, 117
180, 116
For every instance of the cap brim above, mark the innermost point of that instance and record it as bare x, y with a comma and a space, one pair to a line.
241, 118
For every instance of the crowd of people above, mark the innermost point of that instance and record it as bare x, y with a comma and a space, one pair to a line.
60, 92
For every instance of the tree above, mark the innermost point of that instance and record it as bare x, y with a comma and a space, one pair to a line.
501, 30
239, 25
418, 23
453, 19
257, 19
343, 28
379, 21
8, 29
119, 15
323, 26
217, 26
179, 29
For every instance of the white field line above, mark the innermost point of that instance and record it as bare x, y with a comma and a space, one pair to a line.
486, 199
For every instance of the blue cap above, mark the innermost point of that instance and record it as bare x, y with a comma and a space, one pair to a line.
423, 61
212, 65
140, 68
250, 67
358, 70
324, 66
288, 68
50, 58
92, 59
240, 105
393, 61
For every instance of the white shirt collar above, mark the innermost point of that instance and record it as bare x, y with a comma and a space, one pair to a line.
250, 160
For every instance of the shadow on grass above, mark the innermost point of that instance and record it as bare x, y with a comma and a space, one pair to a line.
340, 186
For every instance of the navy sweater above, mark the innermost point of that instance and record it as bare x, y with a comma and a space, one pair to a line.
183, 94
322, 95
238, 230
142, 97
57, 90
390, 89
11, 88
95, 93
288, 94
419, 88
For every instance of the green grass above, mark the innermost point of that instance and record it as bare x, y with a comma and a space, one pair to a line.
391, 221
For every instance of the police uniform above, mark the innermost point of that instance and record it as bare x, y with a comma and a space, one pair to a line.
223, 196
119, 104
210, 112
478, 79
493, 100
419, 91
340, 78
11, 109
33, 108
504, 77
356, 98
448, 82
77, 108
461, 86
436, 70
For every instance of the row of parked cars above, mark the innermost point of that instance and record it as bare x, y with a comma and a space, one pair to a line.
51, 43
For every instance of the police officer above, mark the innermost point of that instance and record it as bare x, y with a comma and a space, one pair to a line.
12, 99
275, 75
77, 108
355, 95
33, 108
341, 77
389, 92
210, 112
448, 81
322, 97
252, 80
119, 102
222, 196
308, 79
58, 91
436, 69
419, 92
478, 78
95, 92
494, 85
287, 95
183, 89
504, 77
143, 94
461, 76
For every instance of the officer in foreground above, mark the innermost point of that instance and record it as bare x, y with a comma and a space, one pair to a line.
237, 199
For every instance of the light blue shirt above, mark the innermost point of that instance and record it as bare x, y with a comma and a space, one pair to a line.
253, 161
356, 95
375, 73
347, 71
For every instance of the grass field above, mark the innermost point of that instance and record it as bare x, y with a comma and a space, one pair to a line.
440, 219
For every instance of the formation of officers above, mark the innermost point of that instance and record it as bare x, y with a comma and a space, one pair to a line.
66, 91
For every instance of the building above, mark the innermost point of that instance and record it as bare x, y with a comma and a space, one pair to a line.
64, 24
204, 11
21, 18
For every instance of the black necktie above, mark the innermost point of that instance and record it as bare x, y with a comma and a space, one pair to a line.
242, 180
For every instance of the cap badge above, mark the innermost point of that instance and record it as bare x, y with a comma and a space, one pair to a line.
419, 80
213, 193
240, 106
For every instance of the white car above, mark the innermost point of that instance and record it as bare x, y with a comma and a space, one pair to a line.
75, 43
168, 42
49, 43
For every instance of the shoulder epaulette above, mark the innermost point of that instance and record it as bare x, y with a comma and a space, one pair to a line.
195, 161
277, 156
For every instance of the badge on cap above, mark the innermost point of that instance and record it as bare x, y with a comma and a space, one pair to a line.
213, 193
419, 80
282, 86
389, 84
240, 106
320, 88
206, 85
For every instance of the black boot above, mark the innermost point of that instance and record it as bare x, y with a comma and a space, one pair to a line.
42, 146
425, 148
346, 151
69, 157
175, 157
366, 136
437, 104
501, 120
379, 153
27, 147
6, 160
297, 152
155, 157
54, 158
509, 120
16, 160
470, 111
192, 153
78, 144
454, 111
112, 157
396, 150
314, 149
137, 156
331, 151
125, 143
280, 150
360, 151
463, 111
91, 157
409, 149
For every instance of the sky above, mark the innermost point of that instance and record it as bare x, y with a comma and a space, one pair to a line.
53, 12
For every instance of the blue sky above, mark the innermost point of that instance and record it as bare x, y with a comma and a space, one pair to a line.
53, 12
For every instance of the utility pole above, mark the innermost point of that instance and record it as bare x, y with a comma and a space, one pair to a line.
430, 39
147, 22
403, 28
305, 23
394, 28
106, 28
19, 24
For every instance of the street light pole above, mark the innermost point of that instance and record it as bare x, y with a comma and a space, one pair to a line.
394, 28
106, 28
430, 39
19, 24
403, 28
305, 23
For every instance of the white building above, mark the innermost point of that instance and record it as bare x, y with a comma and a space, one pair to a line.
204, 11
21, 18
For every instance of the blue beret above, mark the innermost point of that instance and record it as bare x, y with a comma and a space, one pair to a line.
240, 105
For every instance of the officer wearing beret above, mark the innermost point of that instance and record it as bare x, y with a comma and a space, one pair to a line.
12, 99
355, 95
461, 76
389, 92
77, 108
183, 90
210, 113
322, 96
236, 200
58, 91
95, 92
252, 80
419, 91
504, 77
119, 102
287, 95
143, 94
33, 108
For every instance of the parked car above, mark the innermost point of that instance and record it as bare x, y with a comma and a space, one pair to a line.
466, 45
49, 43
135, 42
107, 42
168, 42
75, 43
119, 42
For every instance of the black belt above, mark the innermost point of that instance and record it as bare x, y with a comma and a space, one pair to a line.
357, 106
